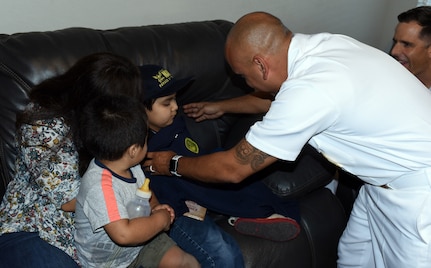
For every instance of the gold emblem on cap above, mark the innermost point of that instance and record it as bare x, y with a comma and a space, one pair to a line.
163, 77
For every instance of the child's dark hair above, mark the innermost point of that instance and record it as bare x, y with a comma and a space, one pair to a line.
96, 74
149, 104
111, 124
65, 95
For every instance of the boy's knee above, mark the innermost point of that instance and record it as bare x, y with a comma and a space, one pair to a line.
176, 257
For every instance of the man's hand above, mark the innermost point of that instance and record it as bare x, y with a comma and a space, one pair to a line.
201, 111
158, 162
253, 103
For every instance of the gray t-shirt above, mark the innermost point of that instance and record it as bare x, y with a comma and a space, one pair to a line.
102, 199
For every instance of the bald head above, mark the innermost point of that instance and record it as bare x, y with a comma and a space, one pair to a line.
259, 32
257, 48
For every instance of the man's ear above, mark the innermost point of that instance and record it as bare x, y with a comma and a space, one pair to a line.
262, 65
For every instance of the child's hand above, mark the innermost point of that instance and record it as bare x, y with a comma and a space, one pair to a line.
166, 207
167, 218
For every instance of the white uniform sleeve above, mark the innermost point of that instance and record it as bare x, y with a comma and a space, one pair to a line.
298, 112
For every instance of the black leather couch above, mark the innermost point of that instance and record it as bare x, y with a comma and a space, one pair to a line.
192, 48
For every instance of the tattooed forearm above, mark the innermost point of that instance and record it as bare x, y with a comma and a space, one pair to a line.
248, 155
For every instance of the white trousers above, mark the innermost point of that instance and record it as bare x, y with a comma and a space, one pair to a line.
389, 228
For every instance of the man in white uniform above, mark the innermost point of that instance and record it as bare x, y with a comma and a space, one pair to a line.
356, 105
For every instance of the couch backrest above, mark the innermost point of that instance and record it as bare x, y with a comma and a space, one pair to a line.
192, 48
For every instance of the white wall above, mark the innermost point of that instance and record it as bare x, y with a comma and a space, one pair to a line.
371, 21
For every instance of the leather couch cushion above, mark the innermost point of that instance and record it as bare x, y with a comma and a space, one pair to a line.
194, 48
295, 179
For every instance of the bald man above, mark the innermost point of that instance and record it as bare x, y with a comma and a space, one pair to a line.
345, 99
412, 42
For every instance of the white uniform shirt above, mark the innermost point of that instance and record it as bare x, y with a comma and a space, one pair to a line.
358, 106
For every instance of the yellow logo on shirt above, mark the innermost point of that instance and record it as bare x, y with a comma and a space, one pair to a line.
191, 145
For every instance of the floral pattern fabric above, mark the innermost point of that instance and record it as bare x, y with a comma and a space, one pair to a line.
46, 177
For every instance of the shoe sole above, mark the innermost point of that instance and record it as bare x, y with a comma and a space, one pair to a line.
277, 229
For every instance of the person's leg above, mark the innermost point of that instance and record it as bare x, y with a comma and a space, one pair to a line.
23, 249
388, 228
354, 247
206, 241
400, 225
176, 257
161, 251
275, 227
261, 213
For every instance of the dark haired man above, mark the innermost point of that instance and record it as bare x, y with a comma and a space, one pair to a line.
412, 42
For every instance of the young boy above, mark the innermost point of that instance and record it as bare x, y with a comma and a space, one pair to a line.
114, 130
258, 208
203, 238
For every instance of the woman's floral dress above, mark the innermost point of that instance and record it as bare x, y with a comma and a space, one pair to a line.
46, 177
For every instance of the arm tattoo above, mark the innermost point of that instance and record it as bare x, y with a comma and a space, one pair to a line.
246, 154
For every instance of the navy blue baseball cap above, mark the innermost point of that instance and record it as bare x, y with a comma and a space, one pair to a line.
158, 82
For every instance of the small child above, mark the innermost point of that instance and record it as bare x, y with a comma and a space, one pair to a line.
114, 130
192, 231
258, 211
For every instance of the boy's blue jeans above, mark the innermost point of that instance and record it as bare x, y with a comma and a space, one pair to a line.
24, 249
205, 240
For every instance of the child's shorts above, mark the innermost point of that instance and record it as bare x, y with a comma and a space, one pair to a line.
153, 251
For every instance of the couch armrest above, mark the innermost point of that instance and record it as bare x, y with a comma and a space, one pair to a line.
323, 220
295, 179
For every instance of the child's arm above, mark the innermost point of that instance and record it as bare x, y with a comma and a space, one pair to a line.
154, 201
164, 206
69, 206
136, 231
155, 205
